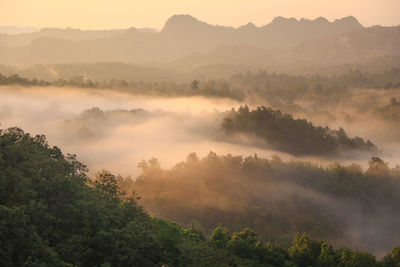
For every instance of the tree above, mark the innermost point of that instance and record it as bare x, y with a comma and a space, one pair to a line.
304, 251
377, 166
392, 259
220, 237
107, 183
244, 244
283, 132
354, 258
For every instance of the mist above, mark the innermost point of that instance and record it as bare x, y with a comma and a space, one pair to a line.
114, 131
267, 143
276, 198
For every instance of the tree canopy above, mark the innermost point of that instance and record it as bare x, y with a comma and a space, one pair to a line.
53, 214
296, 136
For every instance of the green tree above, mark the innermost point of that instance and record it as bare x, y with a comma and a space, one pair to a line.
107, 183
392, 259
304, 251
220, 237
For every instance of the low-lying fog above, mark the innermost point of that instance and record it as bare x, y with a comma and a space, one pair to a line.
98, 127
114, 131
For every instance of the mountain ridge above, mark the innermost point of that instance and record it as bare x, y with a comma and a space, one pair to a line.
282, 42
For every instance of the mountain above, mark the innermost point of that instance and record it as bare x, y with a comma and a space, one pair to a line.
188, 43
281, 32
354, 46
289, 32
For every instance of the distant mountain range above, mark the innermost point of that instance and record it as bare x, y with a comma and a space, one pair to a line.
280, 32
186, 42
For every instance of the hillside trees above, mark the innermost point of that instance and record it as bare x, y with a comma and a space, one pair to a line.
296, 136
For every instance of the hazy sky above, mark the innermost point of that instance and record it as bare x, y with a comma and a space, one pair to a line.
105, 14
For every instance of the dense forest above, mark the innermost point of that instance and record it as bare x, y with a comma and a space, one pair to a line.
131, 140
296, 136
276, 198
53, 214
210, 89
272, 87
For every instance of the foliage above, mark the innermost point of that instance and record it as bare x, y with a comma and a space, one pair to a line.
276, 198
275, 88
52, 214
296, 136
169, 89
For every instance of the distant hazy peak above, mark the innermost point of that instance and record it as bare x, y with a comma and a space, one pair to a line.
280, 19
349, 21
182, 18
321, 20
248, 26
177, 22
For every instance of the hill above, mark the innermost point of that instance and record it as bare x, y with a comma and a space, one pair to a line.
52, 214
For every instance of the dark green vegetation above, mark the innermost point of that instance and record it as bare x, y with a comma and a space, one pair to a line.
52, 214
296, 136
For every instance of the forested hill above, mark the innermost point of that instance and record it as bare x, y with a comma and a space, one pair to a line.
277, 198
52, 214
295, 136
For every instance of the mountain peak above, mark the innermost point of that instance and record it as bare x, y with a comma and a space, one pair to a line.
183, 23
281, 20
349, 21
321, 20
182, 18
248, 26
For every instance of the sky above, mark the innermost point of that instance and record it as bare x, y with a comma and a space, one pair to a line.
107, 14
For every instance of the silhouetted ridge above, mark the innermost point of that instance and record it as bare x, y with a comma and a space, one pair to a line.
349, 21
248, 27
178, 23
282, 20
184, 36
